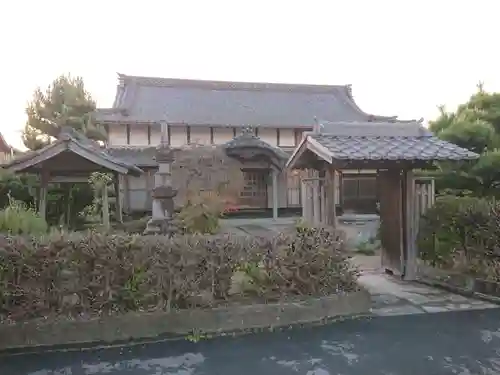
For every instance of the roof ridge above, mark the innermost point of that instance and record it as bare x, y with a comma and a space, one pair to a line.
228, 85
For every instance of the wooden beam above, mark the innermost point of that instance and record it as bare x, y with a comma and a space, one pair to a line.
69, 179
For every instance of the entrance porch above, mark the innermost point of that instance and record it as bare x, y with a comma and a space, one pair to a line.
394, 150
262, 166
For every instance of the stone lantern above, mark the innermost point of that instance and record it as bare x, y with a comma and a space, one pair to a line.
163, 195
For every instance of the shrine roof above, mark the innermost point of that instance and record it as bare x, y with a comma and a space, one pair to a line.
380, 142
71, 141
235, 104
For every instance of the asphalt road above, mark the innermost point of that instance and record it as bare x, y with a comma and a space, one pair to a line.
466, 342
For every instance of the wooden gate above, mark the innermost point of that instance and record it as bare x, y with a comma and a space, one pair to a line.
425, 196
420, 197
254, 193
314, 197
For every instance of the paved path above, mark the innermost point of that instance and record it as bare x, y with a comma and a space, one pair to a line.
459, 342
391, 296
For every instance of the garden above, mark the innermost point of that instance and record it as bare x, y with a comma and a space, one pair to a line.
52, 273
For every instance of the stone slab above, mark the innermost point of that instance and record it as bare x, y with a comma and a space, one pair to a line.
180, 323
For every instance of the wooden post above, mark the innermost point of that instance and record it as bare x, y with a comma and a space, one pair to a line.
44, 183
275, 192
303, 198
335, 198
316, 203
331, 193
105, 207
118, 198
432, 193
67, 201
390, 193
322, 208
410, 246
126, 193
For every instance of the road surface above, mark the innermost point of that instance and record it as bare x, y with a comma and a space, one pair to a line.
456, 342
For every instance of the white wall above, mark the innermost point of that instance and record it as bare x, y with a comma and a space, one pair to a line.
139, 135
200, 135
117, 135
287, 137
223, 135
268, 135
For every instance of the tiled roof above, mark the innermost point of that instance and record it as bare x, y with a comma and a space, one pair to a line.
238, 104
69, 135
247, 140
417, 148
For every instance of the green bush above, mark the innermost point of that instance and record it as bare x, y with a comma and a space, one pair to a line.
17, 218
94, 274
461, 232
18, 187
200, 215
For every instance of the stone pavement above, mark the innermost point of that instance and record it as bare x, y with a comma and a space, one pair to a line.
391, 296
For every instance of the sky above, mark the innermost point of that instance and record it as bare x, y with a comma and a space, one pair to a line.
402, 57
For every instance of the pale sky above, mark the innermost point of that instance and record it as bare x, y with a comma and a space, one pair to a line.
402, 58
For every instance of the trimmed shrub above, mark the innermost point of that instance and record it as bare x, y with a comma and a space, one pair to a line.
462, 233
200, 215
96, 274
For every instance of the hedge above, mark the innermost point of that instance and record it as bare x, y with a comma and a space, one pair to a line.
463, 234
92, 274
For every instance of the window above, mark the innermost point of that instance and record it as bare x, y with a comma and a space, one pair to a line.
359, 187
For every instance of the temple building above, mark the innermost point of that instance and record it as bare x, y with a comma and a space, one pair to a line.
215, 113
